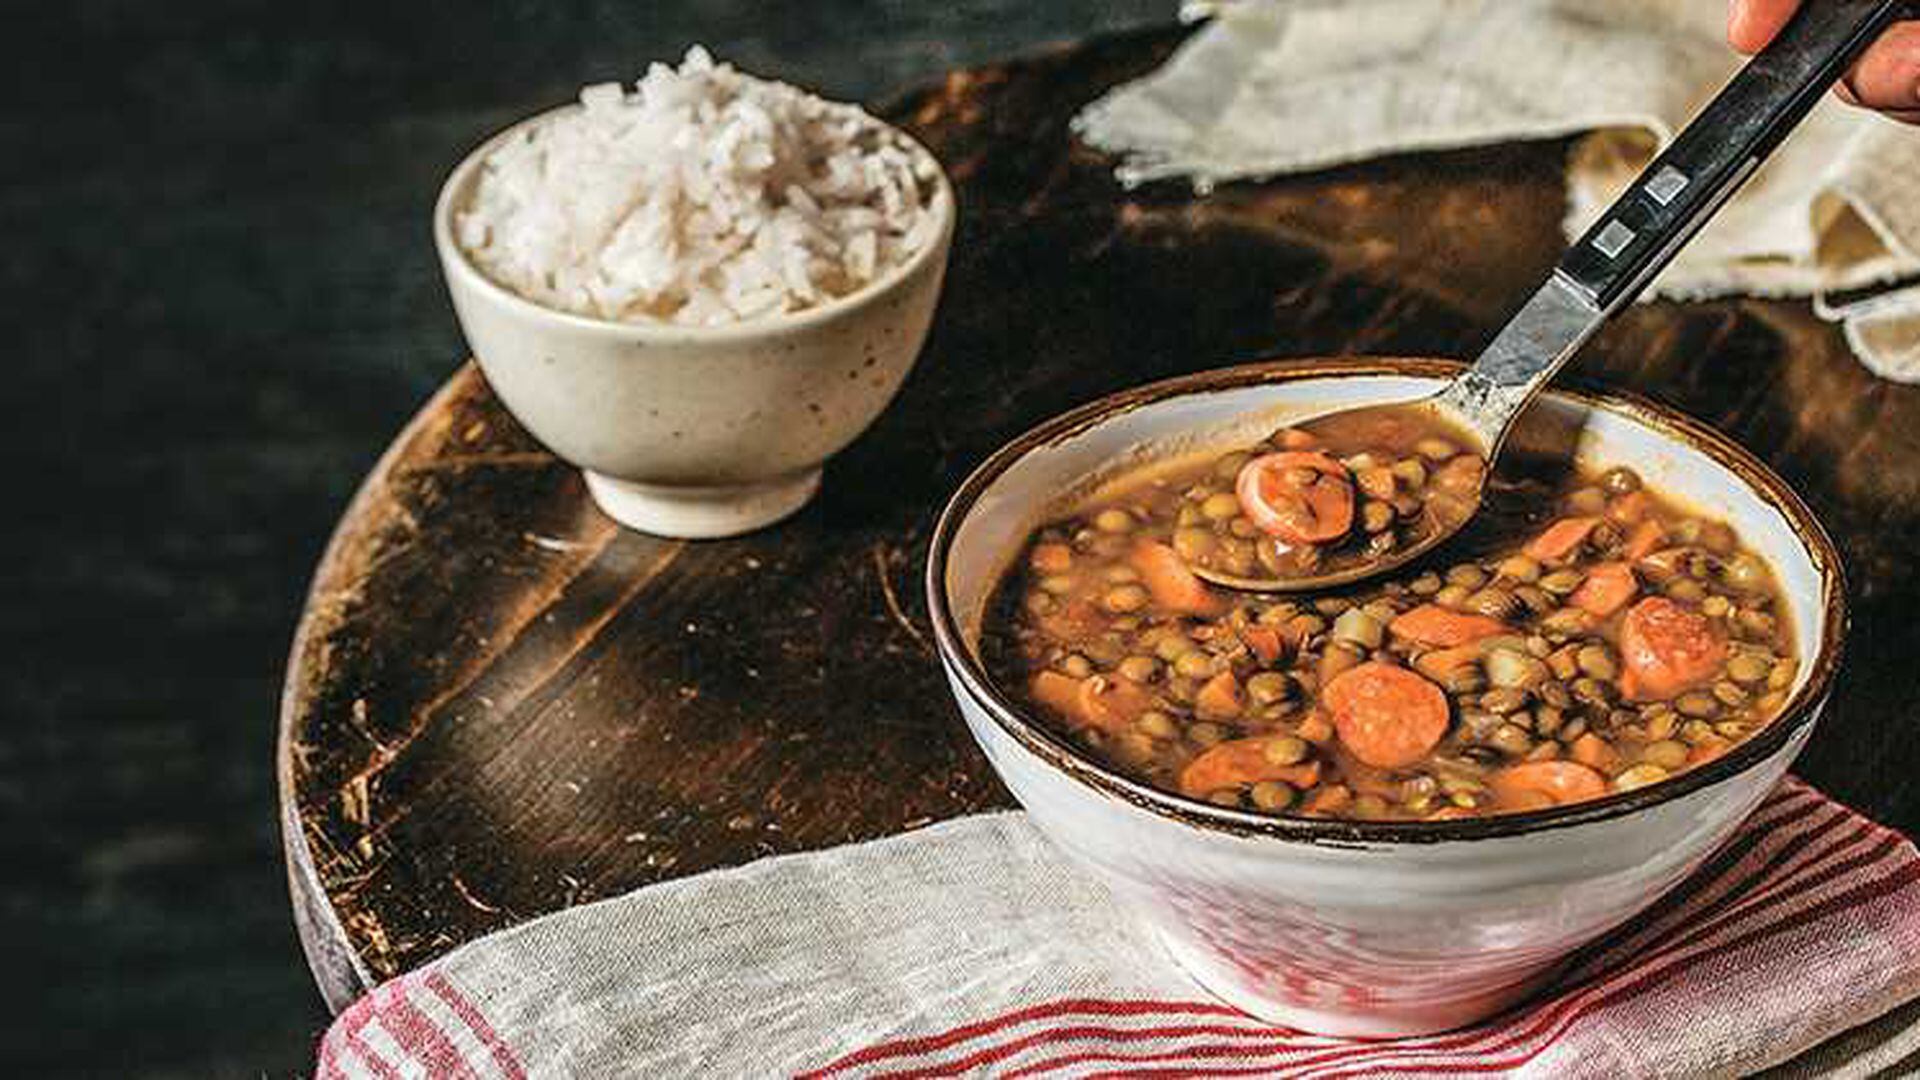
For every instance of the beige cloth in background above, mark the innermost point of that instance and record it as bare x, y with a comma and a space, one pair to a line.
1274, 86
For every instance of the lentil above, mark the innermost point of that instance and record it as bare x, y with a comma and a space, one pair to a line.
1153, 672
1597, 661
1271, 795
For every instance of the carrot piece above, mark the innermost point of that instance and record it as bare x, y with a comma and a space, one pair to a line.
1644, 538
1329, 800
1301, 776
1310, 511
1110, 703
1237, 762
1316, 728
1665, 649
1561, 538
1431, 624
1631, 508
1533, 785
1051, 558
1220, 698
1608, 588
1595, 753
1057, 692
1265, 641
1387, 716
1440, 664
1098, 701
1172, 585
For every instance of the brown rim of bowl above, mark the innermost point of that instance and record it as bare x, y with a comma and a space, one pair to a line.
1056, 751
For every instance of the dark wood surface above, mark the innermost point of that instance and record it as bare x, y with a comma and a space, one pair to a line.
500, 704
221, 302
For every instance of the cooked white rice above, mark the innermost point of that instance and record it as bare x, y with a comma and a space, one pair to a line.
704, 197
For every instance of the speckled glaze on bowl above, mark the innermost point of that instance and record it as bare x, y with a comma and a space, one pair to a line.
694, 431
1370, 928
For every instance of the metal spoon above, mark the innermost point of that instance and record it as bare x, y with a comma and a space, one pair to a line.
1637, 236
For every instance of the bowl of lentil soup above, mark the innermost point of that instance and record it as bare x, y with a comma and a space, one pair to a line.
1390, 808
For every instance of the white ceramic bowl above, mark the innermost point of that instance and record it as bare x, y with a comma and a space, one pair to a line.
694, 431
1369, 928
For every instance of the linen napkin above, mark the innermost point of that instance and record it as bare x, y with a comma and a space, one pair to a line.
1274, 86
973, 948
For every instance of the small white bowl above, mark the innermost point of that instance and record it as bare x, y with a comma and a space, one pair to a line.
1370, 928
694, 431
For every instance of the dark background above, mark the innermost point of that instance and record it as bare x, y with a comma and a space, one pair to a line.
220, 302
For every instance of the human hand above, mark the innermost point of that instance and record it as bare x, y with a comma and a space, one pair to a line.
1886, 77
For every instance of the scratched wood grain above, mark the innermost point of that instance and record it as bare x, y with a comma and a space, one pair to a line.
501, 705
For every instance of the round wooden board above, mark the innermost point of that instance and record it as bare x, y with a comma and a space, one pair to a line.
499, 704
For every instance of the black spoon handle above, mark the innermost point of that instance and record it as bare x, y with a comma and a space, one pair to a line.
1668, 202
1664, 206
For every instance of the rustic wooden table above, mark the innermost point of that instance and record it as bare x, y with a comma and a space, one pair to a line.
499, 704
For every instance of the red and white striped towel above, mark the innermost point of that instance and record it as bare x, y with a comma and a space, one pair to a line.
972, 949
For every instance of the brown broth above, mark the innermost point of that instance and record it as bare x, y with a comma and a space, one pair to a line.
1154, 678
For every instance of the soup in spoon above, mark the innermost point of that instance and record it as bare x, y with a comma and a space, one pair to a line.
1328, 501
